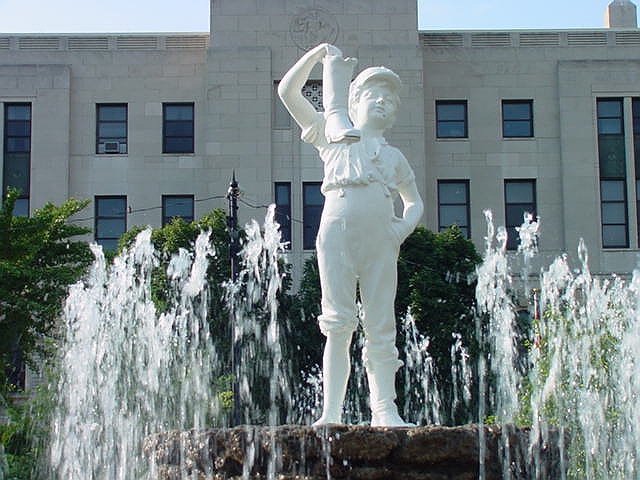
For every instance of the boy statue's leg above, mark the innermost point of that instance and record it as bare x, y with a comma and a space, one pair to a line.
336, 77
382, 377
336, 365
338, 319
378, 288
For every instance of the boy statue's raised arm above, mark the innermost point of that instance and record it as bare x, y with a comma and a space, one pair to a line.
336, 75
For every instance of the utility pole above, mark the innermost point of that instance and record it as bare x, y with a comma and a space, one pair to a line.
234, 248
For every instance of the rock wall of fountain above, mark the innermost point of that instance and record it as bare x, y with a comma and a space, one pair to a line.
345, 452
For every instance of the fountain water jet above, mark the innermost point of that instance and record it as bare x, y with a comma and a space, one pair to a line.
123, 358
128, 371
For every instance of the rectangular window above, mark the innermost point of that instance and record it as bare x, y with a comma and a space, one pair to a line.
110, 220
312, 204
111, 128
178, 128
517, 118
283, 210
451, 119
177, 206
453, 205
17, 154
613, 173
519, 198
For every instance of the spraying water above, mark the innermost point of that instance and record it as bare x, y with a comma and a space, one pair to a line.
422, 403
128, 371
264, 391
579, 386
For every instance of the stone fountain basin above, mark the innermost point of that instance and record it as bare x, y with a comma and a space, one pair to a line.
344, 452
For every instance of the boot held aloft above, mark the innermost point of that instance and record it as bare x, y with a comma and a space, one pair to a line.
336, 77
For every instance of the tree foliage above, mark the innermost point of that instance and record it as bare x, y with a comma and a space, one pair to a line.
436, 283
435, 273
38, 261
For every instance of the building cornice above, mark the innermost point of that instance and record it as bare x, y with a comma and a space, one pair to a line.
104, 42
529, 38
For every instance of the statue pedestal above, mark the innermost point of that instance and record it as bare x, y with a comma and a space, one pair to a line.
344, 452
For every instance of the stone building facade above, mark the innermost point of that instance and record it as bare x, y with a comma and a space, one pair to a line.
151, 126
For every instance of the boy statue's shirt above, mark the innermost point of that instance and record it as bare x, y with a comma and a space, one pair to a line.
359, 163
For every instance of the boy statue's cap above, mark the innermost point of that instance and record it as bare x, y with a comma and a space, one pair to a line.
382, 73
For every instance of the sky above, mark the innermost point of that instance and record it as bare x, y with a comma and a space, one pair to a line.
87, 16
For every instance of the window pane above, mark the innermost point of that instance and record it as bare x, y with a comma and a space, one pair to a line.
450, 192
610, 108
21, 208
18, 144
610, 126
636, 153
283, 210
311, 224
453, 215
517, 129
451, 111
312, 195
178, 129
108, 244
515, 214
614, 236
451, 130
612, 190
519, 192
18, 129
283, 194
111, 207
178, 145
178, 112
516, 111
112, 112
112, 130
16, 172
18, 112
109, 227
614, 213
512, 238
312, 211
178, 207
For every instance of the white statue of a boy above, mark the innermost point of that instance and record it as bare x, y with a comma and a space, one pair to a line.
359, 236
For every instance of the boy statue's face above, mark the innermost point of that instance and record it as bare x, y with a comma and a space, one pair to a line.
376, 107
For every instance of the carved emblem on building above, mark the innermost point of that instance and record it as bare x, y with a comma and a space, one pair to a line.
313, 26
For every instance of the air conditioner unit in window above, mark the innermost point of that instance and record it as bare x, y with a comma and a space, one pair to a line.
111, 147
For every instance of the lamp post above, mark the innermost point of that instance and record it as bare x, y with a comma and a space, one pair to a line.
234, 249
